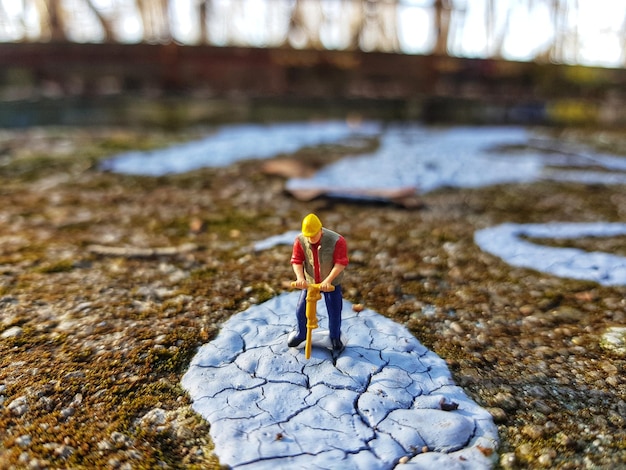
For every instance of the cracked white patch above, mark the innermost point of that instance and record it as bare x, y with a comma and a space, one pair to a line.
413, 156
426, 159
506, 242
375, 403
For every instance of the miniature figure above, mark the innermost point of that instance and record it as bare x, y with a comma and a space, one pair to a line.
319, 258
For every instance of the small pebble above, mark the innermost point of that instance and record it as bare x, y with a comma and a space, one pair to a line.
546, 458
532, 431
23, 441
508, 460
498, 414
542, 407
612, 380
525, 450
614, 340
19, 406
67, 412
64, 451
527, 309
12, 332
564, 440
456, 327
506, 401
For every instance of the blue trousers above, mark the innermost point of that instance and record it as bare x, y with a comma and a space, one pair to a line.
334, 303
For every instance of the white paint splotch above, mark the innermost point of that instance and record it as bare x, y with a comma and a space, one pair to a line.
376, 403
232, 143
286, 238
507, 242
409, 157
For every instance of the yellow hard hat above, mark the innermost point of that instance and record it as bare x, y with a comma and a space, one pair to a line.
311, 225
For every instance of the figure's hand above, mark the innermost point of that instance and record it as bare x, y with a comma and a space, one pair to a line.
326, 287
300, 284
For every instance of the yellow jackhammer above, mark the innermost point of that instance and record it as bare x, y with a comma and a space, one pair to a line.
312, 296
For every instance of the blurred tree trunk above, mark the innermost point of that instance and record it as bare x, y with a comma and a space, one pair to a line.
456, 25
356, 23
155, 20
107, 25
496, 37
203, 17
379, 31
575, 35
52, 19
304, 24
559, 19
442, 25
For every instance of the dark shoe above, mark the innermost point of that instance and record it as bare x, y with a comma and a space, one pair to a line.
337, 344
294, 342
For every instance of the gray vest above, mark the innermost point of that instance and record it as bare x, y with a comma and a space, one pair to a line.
325, 256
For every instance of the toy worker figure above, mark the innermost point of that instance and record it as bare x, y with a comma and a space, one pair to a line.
319, 257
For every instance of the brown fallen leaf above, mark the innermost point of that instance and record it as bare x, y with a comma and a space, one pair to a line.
197, 225
586, 296
406, 197
288, 167
486, 451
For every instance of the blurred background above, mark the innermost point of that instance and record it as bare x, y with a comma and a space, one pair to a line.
178, 62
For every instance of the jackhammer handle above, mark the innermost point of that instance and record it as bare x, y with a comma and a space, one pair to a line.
317, 286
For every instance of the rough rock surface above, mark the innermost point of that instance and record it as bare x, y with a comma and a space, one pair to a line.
97, 340
382, 399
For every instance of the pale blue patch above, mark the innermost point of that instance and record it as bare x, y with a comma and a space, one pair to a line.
506, 242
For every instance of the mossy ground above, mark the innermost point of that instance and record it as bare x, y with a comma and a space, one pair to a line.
104, 340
